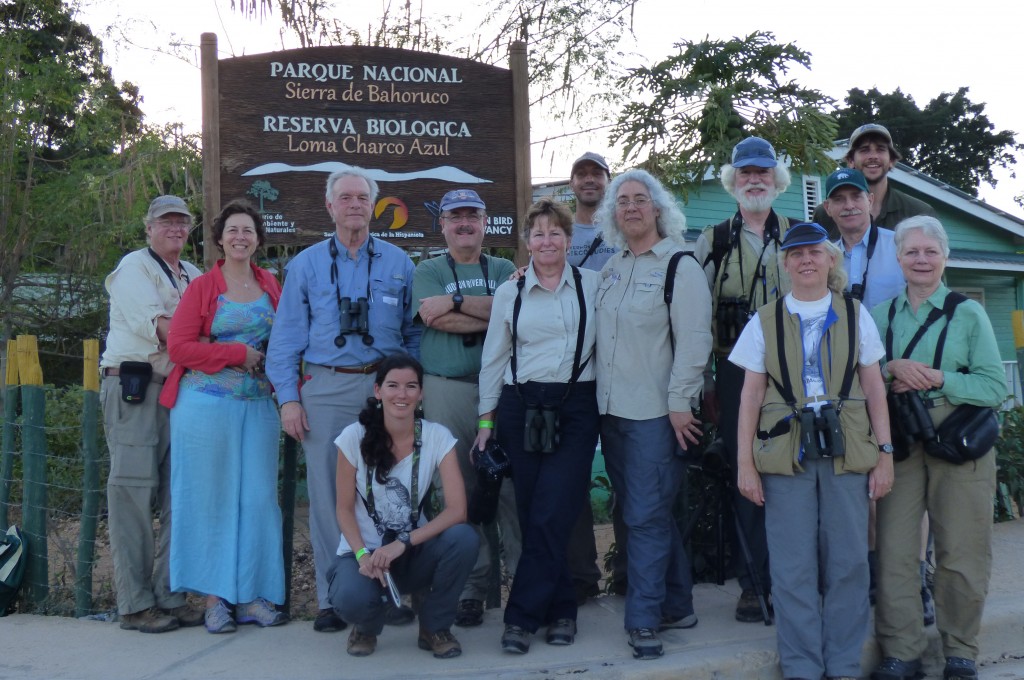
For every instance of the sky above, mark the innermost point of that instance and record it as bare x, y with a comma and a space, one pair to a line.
923, 47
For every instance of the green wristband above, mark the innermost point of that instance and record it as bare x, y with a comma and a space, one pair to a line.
360, 553
489, 424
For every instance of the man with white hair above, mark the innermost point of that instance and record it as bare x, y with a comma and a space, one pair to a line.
740, 257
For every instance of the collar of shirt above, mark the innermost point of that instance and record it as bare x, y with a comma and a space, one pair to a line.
532, 280
343, 253
659, 250
935, 300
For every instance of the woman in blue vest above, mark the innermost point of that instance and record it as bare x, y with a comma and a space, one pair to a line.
813, 448
940, 351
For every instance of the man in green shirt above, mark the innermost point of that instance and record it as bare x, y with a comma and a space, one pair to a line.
872, 152
452, 296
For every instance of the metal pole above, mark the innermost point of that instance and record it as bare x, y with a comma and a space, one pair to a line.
90, 479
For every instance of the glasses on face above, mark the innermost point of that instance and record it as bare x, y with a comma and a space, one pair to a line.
473, 218
173, 223
639, 203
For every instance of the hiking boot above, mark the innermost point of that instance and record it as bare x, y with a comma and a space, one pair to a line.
469, 613
261, 612
187, 615
360, 643
562, 632
748, 607
515, 640
688, 621
442, 643
150, 620
645, 643
218, 619
327, 621
958, 667
892, 668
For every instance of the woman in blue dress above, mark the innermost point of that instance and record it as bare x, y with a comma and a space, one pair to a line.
226, 536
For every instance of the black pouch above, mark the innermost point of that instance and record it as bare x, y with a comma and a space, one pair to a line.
135, 377
968, 433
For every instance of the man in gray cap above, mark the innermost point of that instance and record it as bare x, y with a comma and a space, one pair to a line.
144, 289
871, 151
588, 179
740, 258
452, 297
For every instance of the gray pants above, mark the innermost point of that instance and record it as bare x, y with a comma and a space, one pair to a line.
817, 525
138, 437
332, 402
453, 403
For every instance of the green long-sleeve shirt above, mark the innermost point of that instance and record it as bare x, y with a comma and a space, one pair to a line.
970, 345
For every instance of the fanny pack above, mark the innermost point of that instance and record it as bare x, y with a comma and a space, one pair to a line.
968, 433
135, 377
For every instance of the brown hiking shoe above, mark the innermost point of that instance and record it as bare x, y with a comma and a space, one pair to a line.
360, 643
442, 643
149, 621
187, 615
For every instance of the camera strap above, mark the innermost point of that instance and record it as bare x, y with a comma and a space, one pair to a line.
590, 251
483, 269
872, 242
949, 305
786, 387
414, 513
370, 253
670, 288
167, 270
577, 366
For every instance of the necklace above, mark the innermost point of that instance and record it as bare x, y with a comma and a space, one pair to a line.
244, 283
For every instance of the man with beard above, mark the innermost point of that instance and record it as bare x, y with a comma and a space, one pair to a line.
869, 251
740, 257
871, 151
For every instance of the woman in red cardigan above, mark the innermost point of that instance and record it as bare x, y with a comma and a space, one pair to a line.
226, 535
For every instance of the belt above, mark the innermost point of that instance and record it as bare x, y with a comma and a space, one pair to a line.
365, 369
935, 403
113, 372
471, 379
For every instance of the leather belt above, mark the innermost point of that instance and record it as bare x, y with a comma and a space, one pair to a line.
365, 369
934, 403
114, 372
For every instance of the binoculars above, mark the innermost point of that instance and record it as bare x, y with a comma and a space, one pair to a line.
909, 421
492, 466
355, 320
541, 430
856, 292
821, 435
731, 316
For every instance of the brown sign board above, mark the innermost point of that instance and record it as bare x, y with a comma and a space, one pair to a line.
422, 124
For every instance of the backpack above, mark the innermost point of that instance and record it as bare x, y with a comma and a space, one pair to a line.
12, 566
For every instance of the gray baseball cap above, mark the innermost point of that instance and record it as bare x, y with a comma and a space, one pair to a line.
163, 205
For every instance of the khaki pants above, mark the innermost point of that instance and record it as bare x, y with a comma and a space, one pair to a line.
958, 499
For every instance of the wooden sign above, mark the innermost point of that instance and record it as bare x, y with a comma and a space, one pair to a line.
421, 124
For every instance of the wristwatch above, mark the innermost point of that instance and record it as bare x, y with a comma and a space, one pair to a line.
403, 537
457, 300
885, 448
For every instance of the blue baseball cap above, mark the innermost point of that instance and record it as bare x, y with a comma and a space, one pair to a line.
462, 198
804, 234
754, 151
845, 177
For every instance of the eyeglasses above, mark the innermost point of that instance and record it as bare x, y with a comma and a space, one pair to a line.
172, 223
640, 203
472, 218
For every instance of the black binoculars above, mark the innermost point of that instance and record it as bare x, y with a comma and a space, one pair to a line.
355, 320
909, 421
856, 292
821, 435
731, 316
541, 431
492, 466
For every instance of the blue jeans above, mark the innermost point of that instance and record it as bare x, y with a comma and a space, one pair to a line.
647, 468
438, 567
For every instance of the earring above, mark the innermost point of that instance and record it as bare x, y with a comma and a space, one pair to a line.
380, 404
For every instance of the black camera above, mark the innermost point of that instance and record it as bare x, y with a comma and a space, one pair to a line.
492, 466
821, 435
540, 434
354, 317
731, 316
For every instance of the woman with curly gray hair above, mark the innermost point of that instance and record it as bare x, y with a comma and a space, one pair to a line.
651, 353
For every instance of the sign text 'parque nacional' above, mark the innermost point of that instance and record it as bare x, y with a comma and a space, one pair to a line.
421, 124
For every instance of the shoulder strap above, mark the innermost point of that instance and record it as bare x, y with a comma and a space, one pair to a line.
786, 388
721, 240
577, 367
948, 307
590, 251
852, 321
520, 284
670, 287
952, 301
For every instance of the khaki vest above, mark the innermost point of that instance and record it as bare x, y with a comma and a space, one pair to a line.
780, 454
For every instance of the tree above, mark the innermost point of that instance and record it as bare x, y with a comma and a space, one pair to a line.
688, 111
951, 139
262, 190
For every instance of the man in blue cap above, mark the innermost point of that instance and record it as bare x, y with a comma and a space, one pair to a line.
740, 257
872, 152
452, 297
869, 251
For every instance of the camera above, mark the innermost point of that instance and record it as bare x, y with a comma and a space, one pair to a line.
354, 318
492, 466
821, 435
731, 316
540, 434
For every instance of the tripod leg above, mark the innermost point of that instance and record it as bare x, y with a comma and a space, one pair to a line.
755, 578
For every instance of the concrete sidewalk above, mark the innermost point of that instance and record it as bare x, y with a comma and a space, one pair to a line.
37, 647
